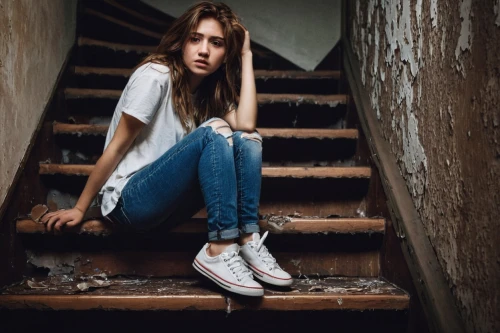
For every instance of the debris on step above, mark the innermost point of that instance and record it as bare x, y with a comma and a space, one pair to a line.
277, 221
361, 211
364, 286
72, 157
50, 283
228, 301
103, 276
92, 284
38, 212
36, 285
326, 289
100, 121
94, 281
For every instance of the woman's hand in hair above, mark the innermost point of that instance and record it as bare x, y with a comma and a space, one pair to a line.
246, 43
62, 218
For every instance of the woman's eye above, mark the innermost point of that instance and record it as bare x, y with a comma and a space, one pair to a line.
217, 43
195, 39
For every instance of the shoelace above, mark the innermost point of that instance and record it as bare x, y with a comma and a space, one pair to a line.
264, 254
237, 265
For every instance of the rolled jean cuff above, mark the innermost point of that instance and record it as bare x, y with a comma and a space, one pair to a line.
223, 234
249, 228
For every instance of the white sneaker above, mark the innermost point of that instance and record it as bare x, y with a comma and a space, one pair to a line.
262, 263
228, 270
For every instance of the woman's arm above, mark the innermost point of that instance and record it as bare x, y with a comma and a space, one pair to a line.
127, 130
245, 118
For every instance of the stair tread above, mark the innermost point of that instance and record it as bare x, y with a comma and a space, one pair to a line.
275, 225
332, 100
274, 172
85, 41
259, 74
178, 294
303, 133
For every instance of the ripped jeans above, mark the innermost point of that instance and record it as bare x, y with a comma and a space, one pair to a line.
225, 166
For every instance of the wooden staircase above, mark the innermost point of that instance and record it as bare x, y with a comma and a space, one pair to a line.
319, 199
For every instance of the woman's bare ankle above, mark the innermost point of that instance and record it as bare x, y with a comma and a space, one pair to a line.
217, 247
245, 238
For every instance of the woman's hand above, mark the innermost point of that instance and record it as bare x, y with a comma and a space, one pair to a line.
246, 43
57, 220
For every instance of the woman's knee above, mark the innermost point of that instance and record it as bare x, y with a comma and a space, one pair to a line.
248, 136
221, 127
248, 141
254, 136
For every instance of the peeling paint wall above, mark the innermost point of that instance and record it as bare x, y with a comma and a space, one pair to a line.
35, 37
432, 71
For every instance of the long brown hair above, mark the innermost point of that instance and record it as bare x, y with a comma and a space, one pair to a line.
219, 90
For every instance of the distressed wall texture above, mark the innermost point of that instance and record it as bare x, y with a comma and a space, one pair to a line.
35, 37
432, 71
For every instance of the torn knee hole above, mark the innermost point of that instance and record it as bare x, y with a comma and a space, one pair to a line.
252, 136
222, 128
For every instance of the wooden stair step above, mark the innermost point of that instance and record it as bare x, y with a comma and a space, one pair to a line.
124, 24
273, 172
141, 49
331, 100
298, 133
279, 210
259, 74
198, 225
191, 294
76, 93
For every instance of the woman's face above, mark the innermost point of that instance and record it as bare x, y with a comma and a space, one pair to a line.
204, 51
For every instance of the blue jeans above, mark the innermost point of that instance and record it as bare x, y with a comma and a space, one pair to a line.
168, 190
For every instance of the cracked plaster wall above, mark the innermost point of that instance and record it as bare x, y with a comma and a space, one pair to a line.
432, 72
35, 37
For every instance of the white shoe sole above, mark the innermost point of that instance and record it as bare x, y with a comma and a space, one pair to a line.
269, 279
242, 290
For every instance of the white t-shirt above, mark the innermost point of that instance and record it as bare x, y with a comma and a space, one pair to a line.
147, 97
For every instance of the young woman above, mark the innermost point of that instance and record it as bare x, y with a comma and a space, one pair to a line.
180, 129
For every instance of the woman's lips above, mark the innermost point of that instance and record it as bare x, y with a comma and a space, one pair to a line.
202, 64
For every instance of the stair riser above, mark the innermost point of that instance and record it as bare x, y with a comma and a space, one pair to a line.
106, 56
196, 321
270, 86
86, 149
99, 28
277, 115
179, 264
161, 240
288, 197
151, 23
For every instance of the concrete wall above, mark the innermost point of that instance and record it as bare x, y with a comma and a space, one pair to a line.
302, 32
432, 70
35, 37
